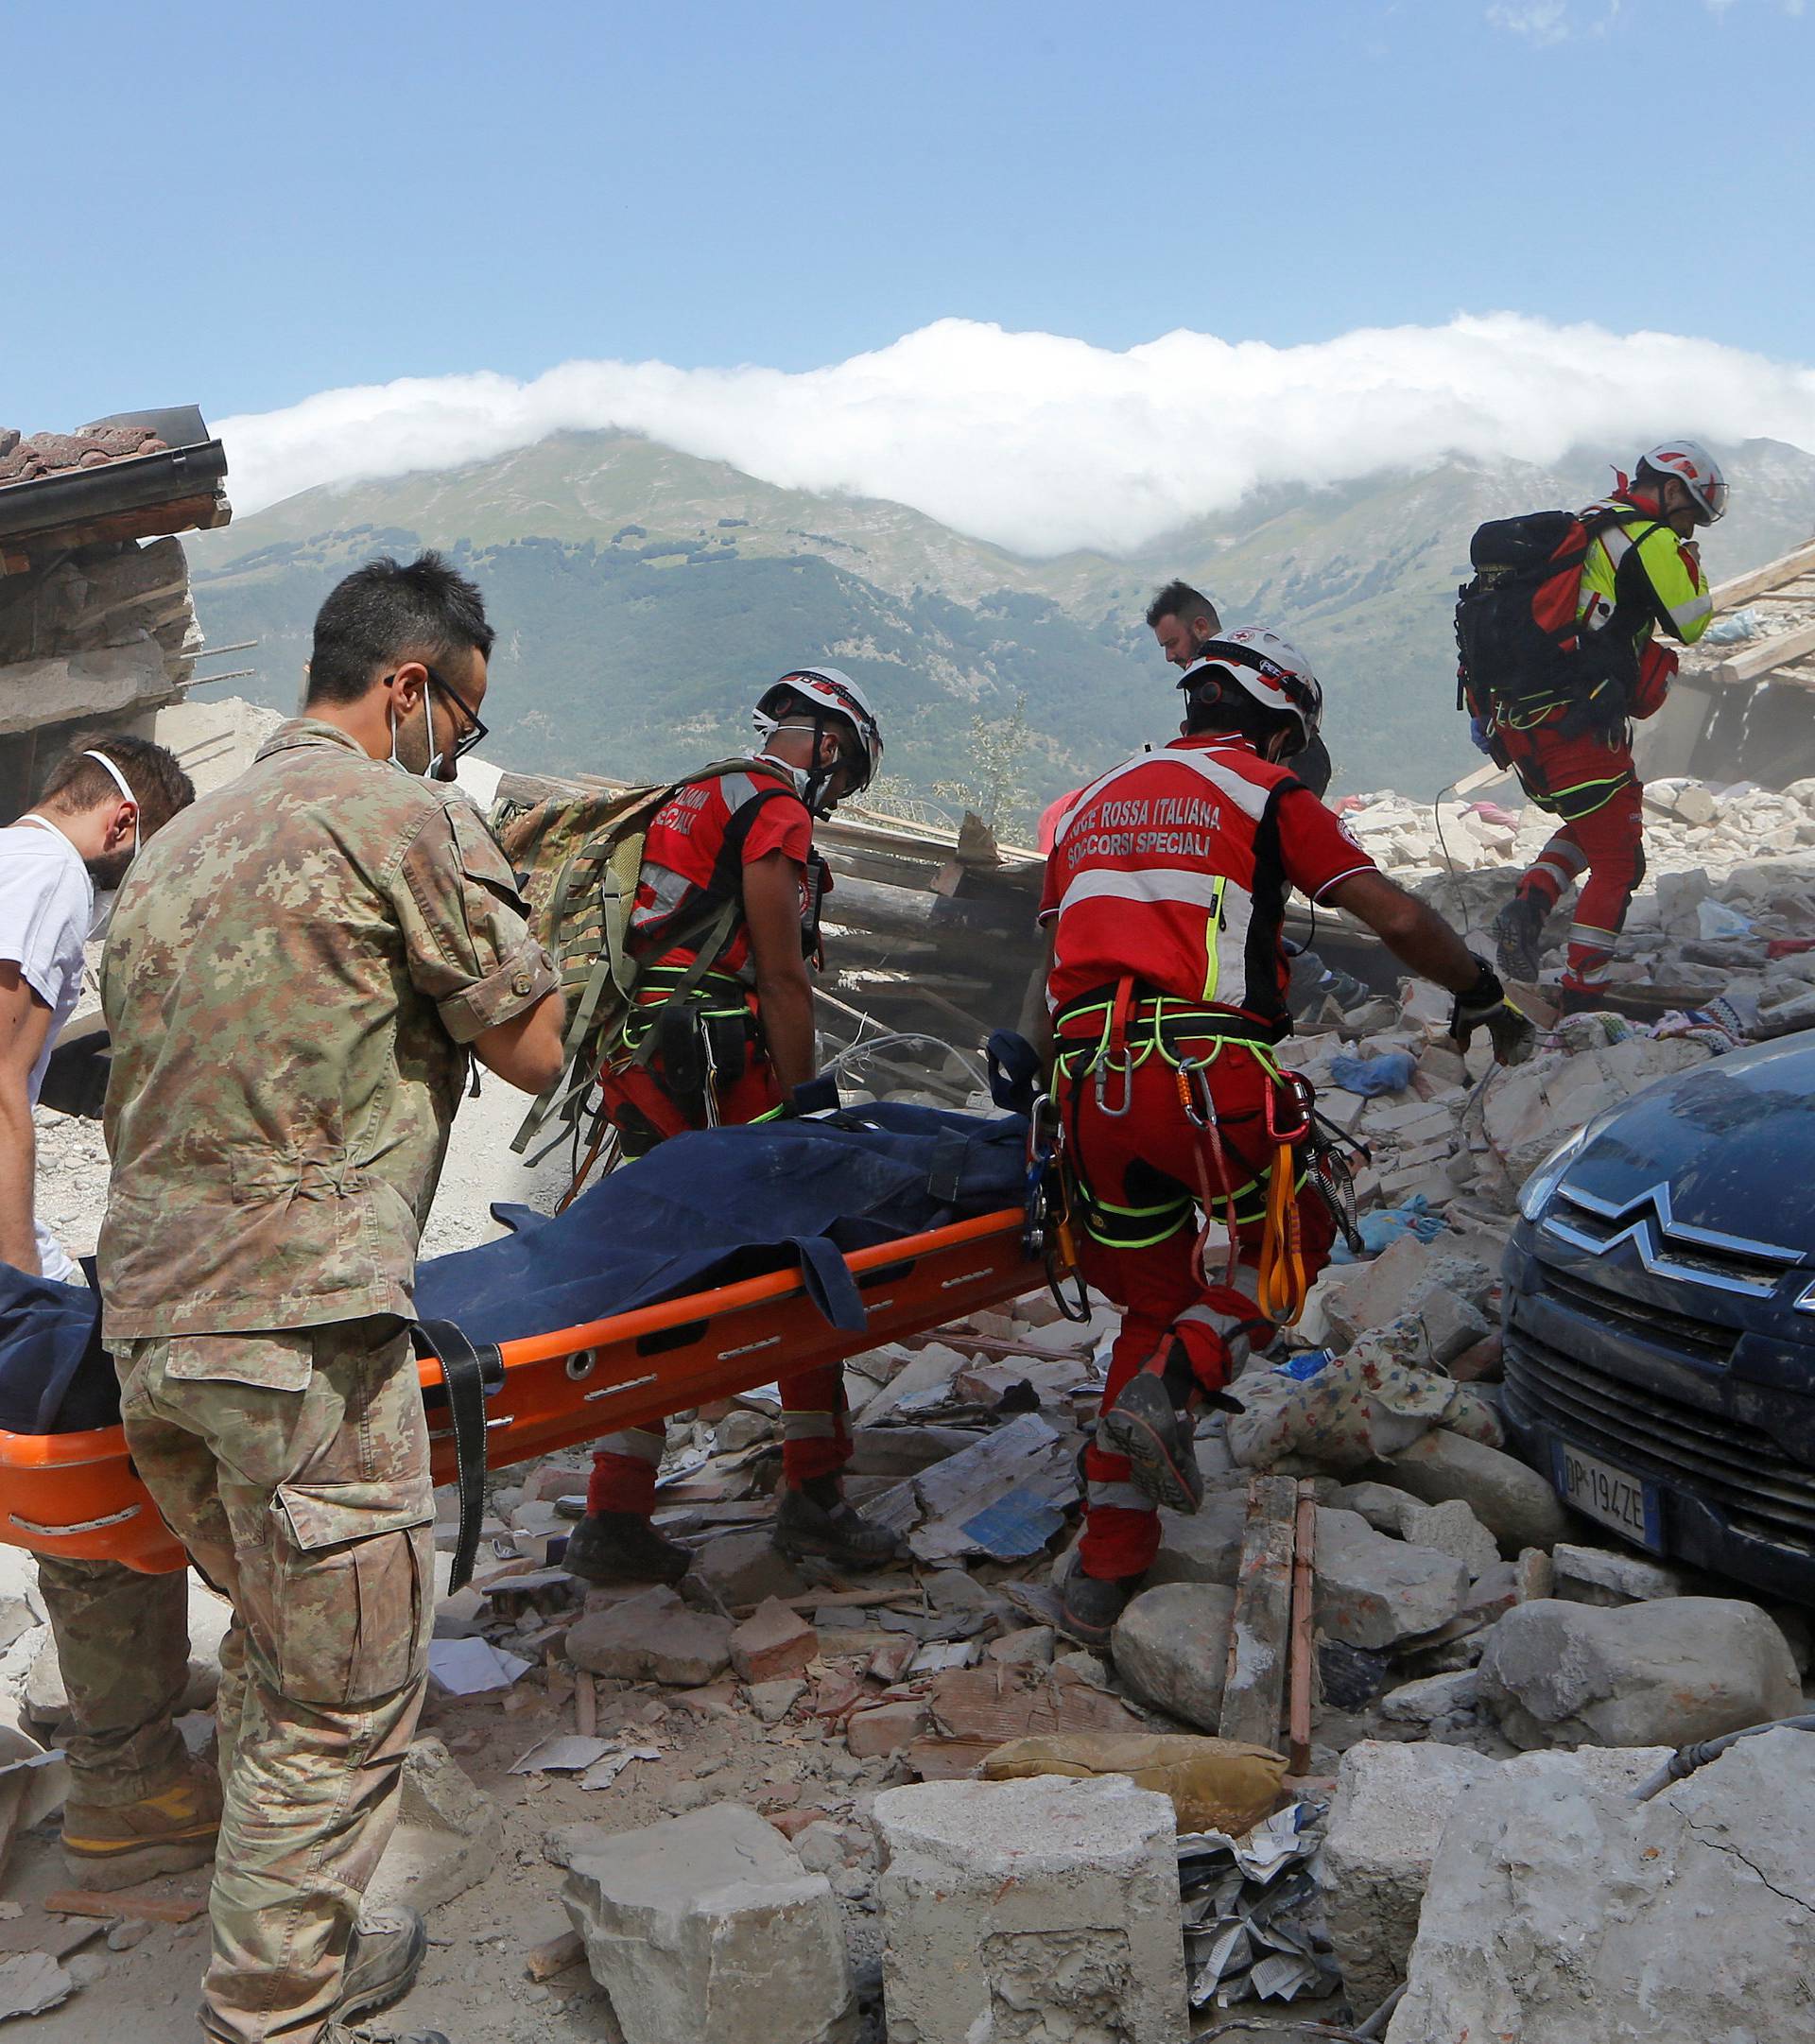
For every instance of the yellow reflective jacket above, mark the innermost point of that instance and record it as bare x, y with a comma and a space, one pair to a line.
1639, 563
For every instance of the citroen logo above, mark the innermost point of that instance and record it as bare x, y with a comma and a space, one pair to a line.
1702, 1255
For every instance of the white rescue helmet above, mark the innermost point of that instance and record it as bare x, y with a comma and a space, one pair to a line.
1697, 469
1266, 669
826, 693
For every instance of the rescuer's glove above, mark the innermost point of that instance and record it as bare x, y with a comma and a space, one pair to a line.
1485, 1006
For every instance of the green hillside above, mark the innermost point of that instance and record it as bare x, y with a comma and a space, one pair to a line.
643, 597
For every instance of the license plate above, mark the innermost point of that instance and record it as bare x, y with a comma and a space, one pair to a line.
1607, 1494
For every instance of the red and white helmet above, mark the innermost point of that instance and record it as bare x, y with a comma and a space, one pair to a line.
1266, 669
827, 692
1697, 469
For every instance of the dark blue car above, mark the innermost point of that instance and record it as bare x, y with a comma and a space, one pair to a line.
1660, 1318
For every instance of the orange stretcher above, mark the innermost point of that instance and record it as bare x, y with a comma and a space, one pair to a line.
76, 1494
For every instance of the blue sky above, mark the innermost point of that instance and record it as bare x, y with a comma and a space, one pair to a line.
244, 206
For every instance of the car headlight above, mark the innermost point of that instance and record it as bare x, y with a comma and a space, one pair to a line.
1536, 1193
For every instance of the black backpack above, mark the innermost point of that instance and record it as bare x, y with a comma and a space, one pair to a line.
1519, 652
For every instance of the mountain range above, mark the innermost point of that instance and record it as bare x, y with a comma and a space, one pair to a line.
643, 597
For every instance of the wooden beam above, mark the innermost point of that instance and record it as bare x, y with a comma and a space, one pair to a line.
1731, 595
1254, 1691
150, 521
1755, 663
1298, 1706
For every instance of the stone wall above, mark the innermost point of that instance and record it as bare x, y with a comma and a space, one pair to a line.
98, 640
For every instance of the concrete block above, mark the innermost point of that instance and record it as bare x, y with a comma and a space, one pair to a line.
1373, 1590
1606, 1576
447, 1836
1391, 1805
1560, 1910
652, 1637
1171, 1649
1452, 1529
1035, 1910
1452, 1327
744, 1568
1660, 1673
1204, 1545
1432, 1698
707, 1928
1515, 1504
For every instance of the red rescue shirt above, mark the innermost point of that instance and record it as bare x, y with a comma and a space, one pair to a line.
681, 851
1173, 868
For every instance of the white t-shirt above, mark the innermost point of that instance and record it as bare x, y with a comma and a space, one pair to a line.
46, 911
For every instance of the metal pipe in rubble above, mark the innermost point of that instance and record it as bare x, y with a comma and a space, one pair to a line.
1376, 2023
1685, 1760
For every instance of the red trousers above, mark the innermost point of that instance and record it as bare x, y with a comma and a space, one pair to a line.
1143, 1175
816, 1435
1607, 841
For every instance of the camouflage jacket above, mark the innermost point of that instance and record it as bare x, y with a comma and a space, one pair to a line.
294, 967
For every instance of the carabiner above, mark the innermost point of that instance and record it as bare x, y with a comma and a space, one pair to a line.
1105, 1062
1297, 1088
1194, 1097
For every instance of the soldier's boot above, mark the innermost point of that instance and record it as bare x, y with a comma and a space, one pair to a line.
812, 1519
384, 1957
623, 1547
110, 1847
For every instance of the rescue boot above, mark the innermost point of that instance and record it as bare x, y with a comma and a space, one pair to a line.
623, 1547
1518, 938
1089, 1605
384, 1956
813, 1519
1581, 1000
1143, 1425
110, 1847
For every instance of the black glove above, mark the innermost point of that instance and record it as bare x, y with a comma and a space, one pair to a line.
1485, 1006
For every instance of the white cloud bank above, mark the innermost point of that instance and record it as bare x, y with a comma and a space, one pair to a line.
1043, 443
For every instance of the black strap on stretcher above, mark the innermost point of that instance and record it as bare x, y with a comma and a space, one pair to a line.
470, 1377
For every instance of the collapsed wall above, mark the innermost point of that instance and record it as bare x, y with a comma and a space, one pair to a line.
97, 628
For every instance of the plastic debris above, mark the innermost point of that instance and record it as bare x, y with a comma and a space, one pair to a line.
1391, 1072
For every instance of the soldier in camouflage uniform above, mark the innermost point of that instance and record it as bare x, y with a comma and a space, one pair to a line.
294, 982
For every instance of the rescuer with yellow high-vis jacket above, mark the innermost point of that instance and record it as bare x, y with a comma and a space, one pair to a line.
1166, 990
1641, 576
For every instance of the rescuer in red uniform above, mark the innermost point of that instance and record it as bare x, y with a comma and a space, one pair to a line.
733, 1045
1165, 893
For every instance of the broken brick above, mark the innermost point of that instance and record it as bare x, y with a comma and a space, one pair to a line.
773, 1642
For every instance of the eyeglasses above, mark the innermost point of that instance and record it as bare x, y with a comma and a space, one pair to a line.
474, 733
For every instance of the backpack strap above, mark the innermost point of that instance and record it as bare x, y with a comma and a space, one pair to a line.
722, 902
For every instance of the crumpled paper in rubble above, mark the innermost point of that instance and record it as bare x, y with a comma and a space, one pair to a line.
1252, 1922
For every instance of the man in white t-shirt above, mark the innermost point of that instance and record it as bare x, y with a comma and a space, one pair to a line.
137, 1805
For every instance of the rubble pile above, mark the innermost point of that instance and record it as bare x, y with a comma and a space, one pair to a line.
905, 1807
1726, 908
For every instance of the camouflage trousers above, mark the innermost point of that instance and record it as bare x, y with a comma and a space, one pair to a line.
122, 1645
294, 1467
